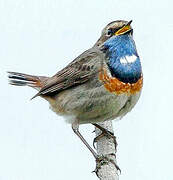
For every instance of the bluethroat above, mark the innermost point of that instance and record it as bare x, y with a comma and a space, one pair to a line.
103, 83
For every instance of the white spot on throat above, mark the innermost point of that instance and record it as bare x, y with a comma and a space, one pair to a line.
128, 59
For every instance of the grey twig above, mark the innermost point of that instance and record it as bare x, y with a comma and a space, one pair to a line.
106, 165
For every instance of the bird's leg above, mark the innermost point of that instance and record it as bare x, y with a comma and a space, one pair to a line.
104, 132
98, 158
75, 128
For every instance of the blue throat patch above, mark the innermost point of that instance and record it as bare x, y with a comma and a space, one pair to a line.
123, 60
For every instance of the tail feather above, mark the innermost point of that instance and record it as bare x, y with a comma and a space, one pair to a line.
20, 79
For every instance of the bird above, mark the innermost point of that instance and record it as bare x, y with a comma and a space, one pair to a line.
103, 83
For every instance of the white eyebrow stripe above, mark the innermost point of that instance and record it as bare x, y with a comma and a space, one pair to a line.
128, 59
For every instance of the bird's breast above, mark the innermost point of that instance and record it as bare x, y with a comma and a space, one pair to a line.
113, 85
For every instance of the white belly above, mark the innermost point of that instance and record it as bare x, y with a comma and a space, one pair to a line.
92, 105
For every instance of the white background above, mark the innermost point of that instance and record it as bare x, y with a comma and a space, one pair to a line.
41, 37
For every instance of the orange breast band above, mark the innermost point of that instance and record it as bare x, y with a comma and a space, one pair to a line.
113, 85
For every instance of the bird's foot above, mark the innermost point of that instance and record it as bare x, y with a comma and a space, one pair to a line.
104, 132
103, 160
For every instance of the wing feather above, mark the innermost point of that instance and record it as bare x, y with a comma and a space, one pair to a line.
77, 72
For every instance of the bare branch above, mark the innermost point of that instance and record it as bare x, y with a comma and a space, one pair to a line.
106, 168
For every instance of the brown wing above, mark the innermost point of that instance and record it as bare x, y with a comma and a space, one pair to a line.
77, 72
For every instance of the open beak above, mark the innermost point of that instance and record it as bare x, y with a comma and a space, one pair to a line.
126, 28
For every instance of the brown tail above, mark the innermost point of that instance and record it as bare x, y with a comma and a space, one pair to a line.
20, 79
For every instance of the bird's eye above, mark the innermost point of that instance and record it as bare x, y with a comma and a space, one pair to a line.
109, 32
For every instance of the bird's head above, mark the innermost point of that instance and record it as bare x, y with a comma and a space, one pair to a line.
115, 28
